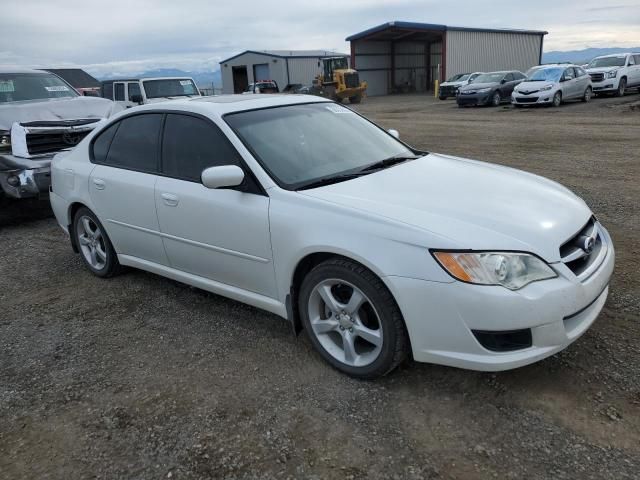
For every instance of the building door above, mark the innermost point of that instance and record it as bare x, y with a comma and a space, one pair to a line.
261, 72
240, 79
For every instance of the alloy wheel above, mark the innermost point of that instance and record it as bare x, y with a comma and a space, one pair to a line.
91, 242
496, 99
345, 322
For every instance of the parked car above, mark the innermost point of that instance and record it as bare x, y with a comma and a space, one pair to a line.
302, 207
140, 91
40, 115
552, 85
489, 89
262, 86
450, 87
615, 73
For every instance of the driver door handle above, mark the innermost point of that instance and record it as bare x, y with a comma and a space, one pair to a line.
170, 199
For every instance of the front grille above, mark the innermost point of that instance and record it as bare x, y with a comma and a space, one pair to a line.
504, 341
448, 91
583, 252
48, 142
351, 80
596, 77
527, 99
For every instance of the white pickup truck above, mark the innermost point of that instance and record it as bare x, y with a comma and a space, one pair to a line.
139, 91
615, 73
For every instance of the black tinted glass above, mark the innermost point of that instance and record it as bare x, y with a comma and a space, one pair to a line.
135, 145
102, 143
191, 145
119, 89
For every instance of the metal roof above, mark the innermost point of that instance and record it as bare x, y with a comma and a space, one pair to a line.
76, 77
290, 54
402, 30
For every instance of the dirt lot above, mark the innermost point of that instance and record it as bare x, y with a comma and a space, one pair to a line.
142, 377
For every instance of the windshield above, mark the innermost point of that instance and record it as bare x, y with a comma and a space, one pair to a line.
489, 78
461, 77
16, 87
607, 62
546, 75
170, 87
300, 144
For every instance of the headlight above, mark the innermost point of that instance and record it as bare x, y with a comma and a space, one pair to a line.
483, 90
511, 270
546, 87
613, 74
5, 141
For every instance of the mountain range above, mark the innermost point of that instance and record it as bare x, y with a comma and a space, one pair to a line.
580, 57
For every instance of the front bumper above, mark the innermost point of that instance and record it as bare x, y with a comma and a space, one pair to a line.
441, 317
538, 98
606, 86
474, 99
25, 177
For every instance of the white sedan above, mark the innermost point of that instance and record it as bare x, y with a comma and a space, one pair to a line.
302, 207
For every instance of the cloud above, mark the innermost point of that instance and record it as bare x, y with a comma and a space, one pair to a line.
127, 37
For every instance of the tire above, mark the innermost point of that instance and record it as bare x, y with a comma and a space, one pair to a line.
622, 87
338, 329
442, 98
496, 99
355, 99
94, 245
588, 93
557, 99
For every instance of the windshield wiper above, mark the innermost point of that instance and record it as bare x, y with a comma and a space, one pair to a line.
330, 180
389, 162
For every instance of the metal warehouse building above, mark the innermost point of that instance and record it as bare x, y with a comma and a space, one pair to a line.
284, 66
407, 56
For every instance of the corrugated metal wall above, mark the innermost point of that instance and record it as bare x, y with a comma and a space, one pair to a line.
304, 70
410, 65
373, 62
277, 69
488, 51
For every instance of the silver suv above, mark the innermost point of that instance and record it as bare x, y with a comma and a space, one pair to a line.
615, 73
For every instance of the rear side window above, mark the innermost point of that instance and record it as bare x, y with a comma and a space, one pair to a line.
135, 143
191, 144
118, 89
102, 143
637, 58
134, 89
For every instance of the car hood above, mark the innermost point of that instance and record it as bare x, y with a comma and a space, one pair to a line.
467, 204
452, 84
478, 86
55, 109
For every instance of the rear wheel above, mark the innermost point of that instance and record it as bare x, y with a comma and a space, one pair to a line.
352, 319
355, 99
622, 87
588, 93
557, 99
496, 99
94, 244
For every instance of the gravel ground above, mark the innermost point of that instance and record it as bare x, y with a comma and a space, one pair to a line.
141, 377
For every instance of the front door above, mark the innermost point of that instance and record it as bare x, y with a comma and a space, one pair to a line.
219, 234
122, 186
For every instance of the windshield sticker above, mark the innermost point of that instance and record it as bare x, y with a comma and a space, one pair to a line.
57, 88
337, 109
6, 86
184, 83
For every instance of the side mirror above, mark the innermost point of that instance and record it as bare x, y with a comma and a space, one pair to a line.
136, 99
503, 81
224, 176
393, 133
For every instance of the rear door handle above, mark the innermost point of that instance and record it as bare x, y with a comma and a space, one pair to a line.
170, 199
99, 184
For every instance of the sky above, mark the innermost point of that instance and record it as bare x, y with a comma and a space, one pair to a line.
119, 37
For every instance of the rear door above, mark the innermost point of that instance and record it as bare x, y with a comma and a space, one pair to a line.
220, 234
634, 70
122, 185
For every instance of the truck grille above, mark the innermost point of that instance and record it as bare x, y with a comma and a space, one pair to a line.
527, 99
596, 77
351, 80
48, 142
585, 251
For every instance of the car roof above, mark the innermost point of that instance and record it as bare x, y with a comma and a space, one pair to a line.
613, 55
222, 104
23, 70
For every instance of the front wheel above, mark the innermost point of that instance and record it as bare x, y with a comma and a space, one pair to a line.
622, 87
557, 99
496, 99
352, 319
94, 244
588, 93
442, 97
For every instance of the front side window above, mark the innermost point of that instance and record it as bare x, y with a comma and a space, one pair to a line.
170, 87
568, 74
191, 144
509, 77
134, 145
118, 89
300, 144
17, 87
134, 89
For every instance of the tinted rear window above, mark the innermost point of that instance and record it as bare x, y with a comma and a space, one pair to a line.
135, 144
102, 143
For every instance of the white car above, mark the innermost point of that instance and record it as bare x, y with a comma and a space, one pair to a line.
140, 91
452, 85
302, 207
552, 85
615, 73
